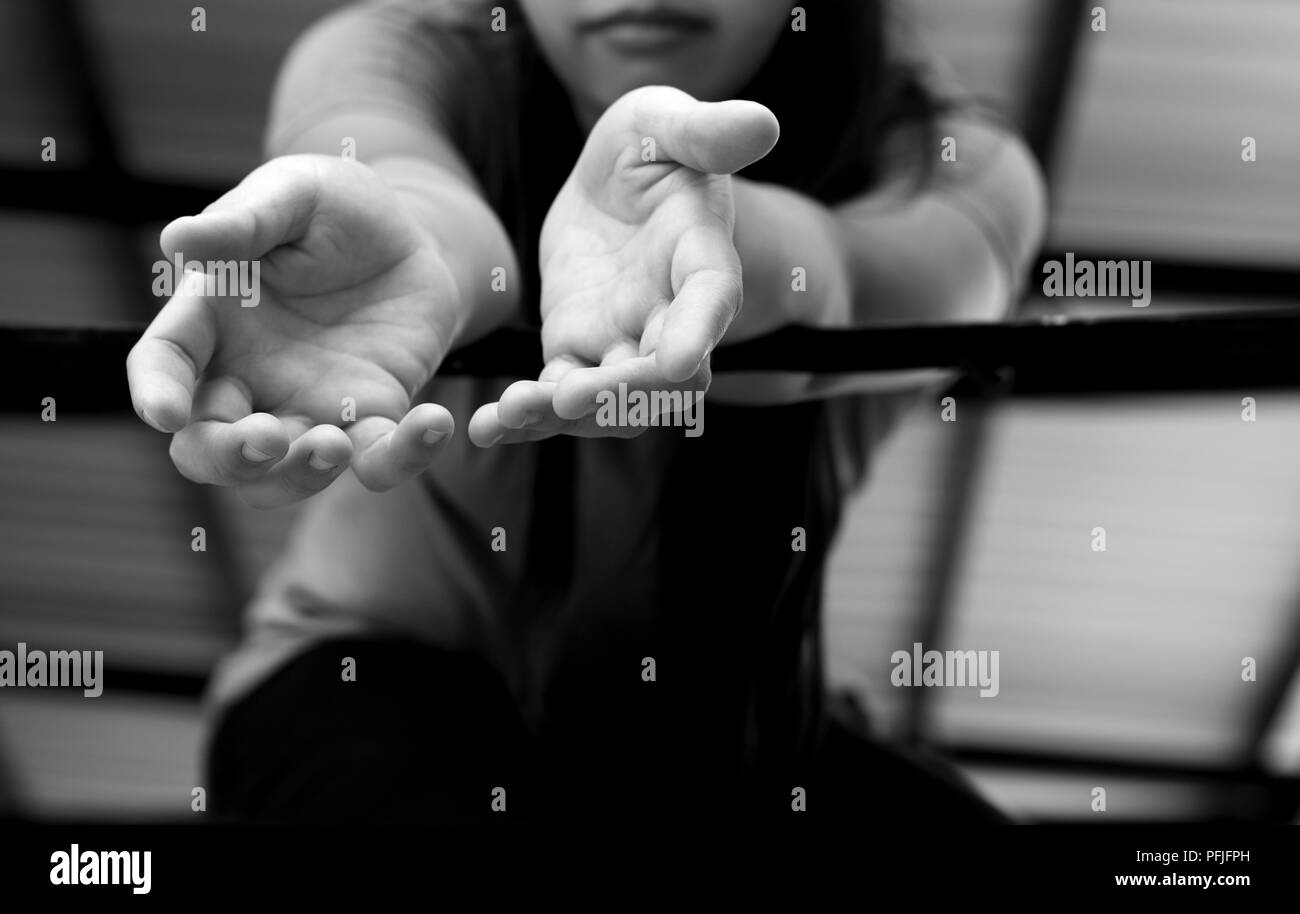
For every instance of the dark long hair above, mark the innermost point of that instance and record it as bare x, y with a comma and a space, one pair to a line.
835, 89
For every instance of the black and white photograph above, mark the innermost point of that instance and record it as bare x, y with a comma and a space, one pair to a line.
527, 425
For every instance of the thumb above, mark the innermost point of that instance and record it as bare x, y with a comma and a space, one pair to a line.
710, 137
272, 206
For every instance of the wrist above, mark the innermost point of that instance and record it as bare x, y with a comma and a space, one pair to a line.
472, 250
795, 267
455, 313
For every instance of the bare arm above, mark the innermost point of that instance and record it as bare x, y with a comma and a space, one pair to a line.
372, 268
946, 248
372, 81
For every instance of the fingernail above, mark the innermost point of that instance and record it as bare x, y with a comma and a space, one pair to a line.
317, 463
434, 435
495, 440
253, 455
148, 419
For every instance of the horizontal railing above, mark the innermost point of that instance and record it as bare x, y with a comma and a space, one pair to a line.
83, 367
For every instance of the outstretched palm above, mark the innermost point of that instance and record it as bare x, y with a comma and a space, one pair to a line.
640, 275
352, 317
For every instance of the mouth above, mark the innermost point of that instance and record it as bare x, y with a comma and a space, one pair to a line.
647, 30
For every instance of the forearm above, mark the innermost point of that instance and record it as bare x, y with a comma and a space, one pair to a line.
794, 266
953, 247
441, 195
945, 249
469, 237
372, 81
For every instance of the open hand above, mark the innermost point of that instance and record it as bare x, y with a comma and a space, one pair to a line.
640, 275
354, 313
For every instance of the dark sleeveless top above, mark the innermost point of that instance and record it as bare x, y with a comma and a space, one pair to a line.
671, 547
666, 547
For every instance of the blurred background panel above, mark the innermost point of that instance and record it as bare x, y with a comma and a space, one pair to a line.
1118, 669
95, 523
34, 97
1123, 667
1151, 148
191, 105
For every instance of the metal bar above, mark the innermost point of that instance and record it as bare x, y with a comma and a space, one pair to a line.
119, 199
153, 682
1053, 72
65, 36
1053, 355
82, 367
1269, 706
76, 59
963, 461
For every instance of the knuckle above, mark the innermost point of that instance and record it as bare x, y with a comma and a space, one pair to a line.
406, 467
374, 479
731, 287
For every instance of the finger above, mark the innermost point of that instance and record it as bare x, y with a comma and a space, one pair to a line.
315, 459
583, 393
558, 367
525, 403
578, 334
387, 454
621, 351
696, 322
654, 328
556, 371
222, 453
272, 206
711, 137
163, 367
579, 394
577, 428
706, 273
485, 429
224, 398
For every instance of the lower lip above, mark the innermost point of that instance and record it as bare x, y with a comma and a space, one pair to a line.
648, 37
